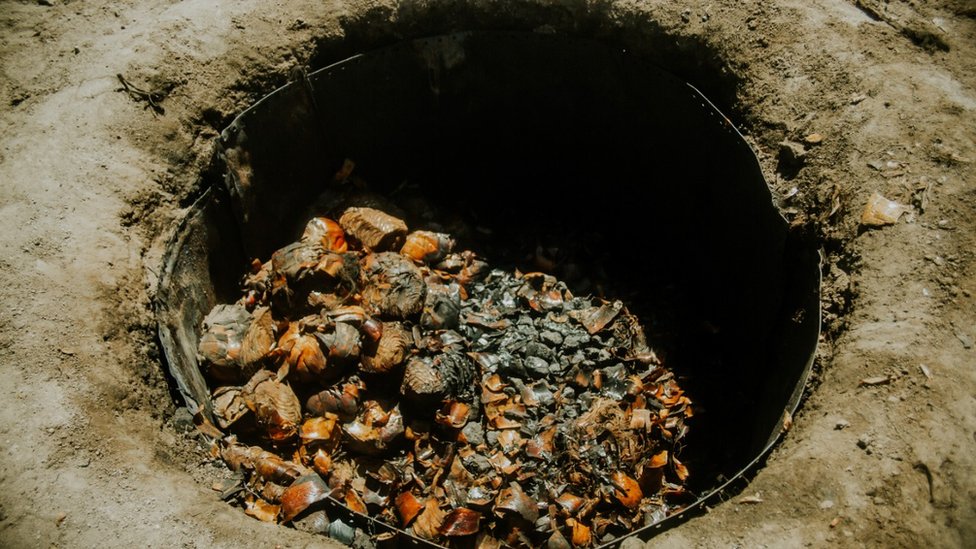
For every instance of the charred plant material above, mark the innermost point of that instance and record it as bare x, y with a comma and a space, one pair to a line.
460, 404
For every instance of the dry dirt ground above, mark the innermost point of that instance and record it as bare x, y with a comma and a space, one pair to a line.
94, 451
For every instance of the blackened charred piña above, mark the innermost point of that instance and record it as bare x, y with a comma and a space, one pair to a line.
427, 381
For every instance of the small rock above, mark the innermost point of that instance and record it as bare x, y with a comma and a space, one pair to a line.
863, 442
551, 338
575, 341
813, 139
750, 500
841, 425
826, 504
536, 366
876, 380
182, 420
474, 433
60, 518
967, 342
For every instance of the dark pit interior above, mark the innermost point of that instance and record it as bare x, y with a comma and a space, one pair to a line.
535, 151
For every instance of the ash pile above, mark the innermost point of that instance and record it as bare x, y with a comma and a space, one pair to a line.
370, 370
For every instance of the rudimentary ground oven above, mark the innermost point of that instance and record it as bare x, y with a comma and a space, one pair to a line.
839, 99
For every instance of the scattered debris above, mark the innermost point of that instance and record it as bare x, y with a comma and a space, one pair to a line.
750, 500
880, 211
940, 152
152, 99
876, 380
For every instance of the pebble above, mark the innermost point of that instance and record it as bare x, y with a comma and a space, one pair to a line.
575, 341
841, 424
536, 366
474, 433
551, 338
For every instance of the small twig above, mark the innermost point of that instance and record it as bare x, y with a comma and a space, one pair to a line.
152, 99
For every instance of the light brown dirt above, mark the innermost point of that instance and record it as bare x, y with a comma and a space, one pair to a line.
93, 450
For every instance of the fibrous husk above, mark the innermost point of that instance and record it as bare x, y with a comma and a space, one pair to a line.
343, 343
408, 507
626, 489
302, 353
303, 266
582, 536
342, 401
427, 246
389, 352
631, 343
448, 374
515, 500
265, 464
229, 406
258, 339
304, 492
326, 233
320, 428
453, 414
260, 509
295, 261
374, 229
394, 286
460, 522
374, 430
428, 523
274, 405
595, 319
442, 306
557, 541
220, 344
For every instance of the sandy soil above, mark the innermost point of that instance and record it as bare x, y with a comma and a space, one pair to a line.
94, 450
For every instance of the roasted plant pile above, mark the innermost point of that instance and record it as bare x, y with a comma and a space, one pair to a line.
418, 386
